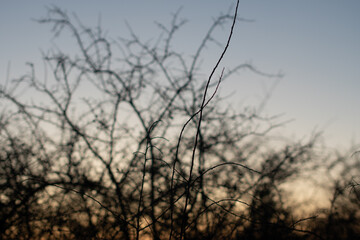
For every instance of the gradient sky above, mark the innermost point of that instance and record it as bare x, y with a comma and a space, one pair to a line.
314, 43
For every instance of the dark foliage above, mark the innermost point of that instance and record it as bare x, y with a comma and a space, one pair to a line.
125, 140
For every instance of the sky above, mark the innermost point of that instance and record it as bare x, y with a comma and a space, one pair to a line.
315, 44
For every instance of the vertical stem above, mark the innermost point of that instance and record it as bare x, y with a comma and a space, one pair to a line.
184, 216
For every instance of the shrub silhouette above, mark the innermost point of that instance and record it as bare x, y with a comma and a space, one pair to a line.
125, 140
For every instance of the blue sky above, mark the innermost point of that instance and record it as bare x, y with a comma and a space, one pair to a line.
315, 43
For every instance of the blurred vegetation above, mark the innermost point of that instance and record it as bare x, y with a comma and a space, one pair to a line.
124, 139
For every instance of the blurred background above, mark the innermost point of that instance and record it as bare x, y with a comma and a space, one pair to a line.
315, 45
89, 134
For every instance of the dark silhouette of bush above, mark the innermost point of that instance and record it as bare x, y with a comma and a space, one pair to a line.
126, 141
